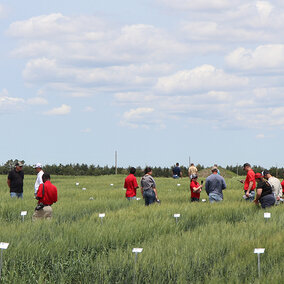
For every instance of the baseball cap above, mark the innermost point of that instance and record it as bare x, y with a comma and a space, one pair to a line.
246, 165
265, 172
214, 169
258, 175
194, 176
19, 164
38, 165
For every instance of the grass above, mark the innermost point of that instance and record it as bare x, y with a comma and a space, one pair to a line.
211, 243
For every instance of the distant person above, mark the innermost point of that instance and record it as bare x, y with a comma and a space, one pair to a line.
195, 189
46, 196
130, 184
177, 173
216, 166
214, 186
15, 181
282, 184
39, 171
148, 187
264, 194
192, 170
275, 185
249, 183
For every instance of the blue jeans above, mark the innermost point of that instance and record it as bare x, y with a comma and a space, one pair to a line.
213, 197
251, 196
149, 197
131, 198
16, 194
175, 176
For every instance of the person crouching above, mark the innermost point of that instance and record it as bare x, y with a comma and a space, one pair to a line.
264, 194
195, 189
46, 196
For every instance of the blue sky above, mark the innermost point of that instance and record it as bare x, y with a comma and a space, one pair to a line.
158, 81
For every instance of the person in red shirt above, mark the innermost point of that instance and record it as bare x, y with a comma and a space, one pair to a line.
195, 189
249, 183
130, 184
46, 196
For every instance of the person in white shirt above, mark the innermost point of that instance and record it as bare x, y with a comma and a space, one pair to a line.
38, 168
275, 185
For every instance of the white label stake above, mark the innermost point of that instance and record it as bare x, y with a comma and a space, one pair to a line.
102, 215
2, 247
259, 251
267, 215
23, 214
136, 251
176, 216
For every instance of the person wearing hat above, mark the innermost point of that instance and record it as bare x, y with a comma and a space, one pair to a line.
15, 181
195, 189
39, 171
249, 183
214, 186
264, 194
275, 185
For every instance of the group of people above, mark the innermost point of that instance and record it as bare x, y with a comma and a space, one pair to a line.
260, 188
45, 192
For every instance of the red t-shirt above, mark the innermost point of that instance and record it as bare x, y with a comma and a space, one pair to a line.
50, 193
250, 177
130, 184
282, 183
192, 185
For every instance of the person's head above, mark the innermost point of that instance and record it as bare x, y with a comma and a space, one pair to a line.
247, 167
214, 170
192, 164
215, 165
148, 171
177, 164
18, 166
258, 177
266, 174
38, 167
194, 177
45, 177
132, 170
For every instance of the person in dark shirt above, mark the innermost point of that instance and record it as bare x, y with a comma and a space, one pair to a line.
15, 181
177, 173
264, 194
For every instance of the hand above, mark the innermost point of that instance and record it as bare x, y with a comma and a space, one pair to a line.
278, 198
242, 181
256, 201
247, 194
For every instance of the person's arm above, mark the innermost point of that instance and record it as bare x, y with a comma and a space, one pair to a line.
224, 186
39, 192
207, 187
249, 188
156, 194
197, 189
9, 182
258, 195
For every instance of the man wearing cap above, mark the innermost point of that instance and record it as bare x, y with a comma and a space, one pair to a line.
264, 194
39, 171
15, 181
249, 183
214, 186
195, 189
275, 185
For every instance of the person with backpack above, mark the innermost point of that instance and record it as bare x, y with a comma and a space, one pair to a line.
46, 196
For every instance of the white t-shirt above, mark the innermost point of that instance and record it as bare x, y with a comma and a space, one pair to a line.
38, 180
276, 186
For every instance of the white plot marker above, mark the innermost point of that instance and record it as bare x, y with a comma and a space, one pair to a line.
267, 215
102, 215
176, 216
136, 251
77, 183
111, 184
259, 251
23, 214
138, 198
2, 247
178, 184
91, 198
84, 188
203, 200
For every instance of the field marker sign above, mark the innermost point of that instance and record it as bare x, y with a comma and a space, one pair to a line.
176, 216
136, 251
102, 215
2, 247
23, 214
267, 215
259, 251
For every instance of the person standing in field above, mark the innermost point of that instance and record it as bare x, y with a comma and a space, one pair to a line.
15, 181
39, 171
275, 185
192, 170
282, 184
249, 183
214, 186
46, 196
195, 189
130, 184
177, 173
148, 187
264, 194
216, 166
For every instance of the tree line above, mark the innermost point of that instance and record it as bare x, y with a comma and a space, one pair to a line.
97, 170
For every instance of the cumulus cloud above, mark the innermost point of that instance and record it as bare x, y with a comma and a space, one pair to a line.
263, 57
10, 104
205, 77
62, 110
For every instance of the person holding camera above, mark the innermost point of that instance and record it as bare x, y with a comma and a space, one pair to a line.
195, 189
148, 187
264, 194
46, 196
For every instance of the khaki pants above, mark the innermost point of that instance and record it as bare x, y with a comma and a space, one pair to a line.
44, 213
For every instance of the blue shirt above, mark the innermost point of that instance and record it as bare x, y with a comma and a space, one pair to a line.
176, 171
215, 184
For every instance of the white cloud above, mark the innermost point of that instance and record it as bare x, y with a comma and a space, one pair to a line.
10, 104
63, 110
262, 58
205, 77
37, 101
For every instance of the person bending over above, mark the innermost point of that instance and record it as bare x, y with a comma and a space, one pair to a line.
148, 187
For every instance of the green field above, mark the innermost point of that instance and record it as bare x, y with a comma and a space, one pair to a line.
211, 243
